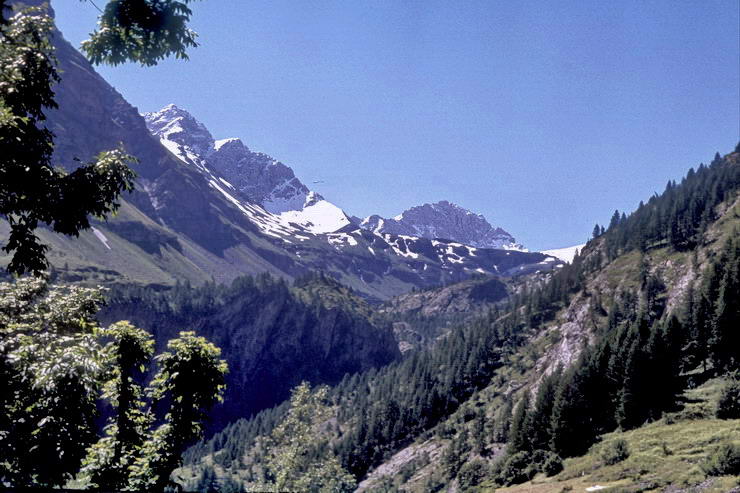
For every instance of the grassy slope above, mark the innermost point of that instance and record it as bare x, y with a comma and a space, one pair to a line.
665, 453
87, 258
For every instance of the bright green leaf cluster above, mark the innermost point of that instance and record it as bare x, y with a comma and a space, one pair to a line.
56, 363
50, 362
190, 380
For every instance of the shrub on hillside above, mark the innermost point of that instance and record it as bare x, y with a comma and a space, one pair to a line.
724, 461
615, 452
471, 474
523, 466
517, 468
728, 405
553, 465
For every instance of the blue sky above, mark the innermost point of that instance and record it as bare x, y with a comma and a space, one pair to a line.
542, 116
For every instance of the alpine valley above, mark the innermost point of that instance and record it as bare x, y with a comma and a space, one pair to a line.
426, 352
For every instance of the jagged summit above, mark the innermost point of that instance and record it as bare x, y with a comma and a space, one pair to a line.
447, 220
263, 180
177, 125
258, 178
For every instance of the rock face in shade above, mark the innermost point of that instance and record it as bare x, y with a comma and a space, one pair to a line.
444, 220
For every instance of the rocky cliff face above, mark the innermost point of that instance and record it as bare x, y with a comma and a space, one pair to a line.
469, 297
444, 220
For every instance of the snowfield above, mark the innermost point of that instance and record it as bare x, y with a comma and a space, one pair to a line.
566, 254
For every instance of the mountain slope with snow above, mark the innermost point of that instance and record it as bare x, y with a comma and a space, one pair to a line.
194, 218
254, 176
444, 220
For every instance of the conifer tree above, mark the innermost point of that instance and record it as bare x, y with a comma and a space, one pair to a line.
724, 340
519, 439
572, 416
503, 422
479, 432
541, 415
632, 409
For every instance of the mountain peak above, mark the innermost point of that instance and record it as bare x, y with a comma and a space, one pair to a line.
169, 113
232, 142
175, 124
259, 178
444, 219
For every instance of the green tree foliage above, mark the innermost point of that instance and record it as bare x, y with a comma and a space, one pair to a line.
634, 373
573, 418
680, 215
521, 426
455, 454
190, 380
142, 31
109, 461
376, 415
33, 191
724, 340
615, 452
270, 333
724, 460
517, 468
539, 421
715, 313
502, 425
208, 481
630, 374
552, 465
524, 465
728, 404
50, 361
471, 474
57, 364
292, 458
478, 432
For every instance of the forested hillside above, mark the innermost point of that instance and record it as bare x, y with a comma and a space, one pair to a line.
272, 334
606, 343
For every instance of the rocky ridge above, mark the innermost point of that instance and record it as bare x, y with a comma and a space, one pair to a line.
255, 176
444, 220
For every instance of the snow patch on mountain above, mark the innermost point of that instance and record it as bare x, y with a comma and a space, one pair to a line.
317, 215
566, 254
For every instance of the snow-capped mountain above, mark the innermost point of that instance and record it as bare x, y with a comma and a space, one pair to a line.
254, 176
444, 220
431, 244
194, 217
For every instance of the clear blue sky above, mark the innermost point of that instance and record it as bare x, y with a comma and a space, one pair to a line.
543, 116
